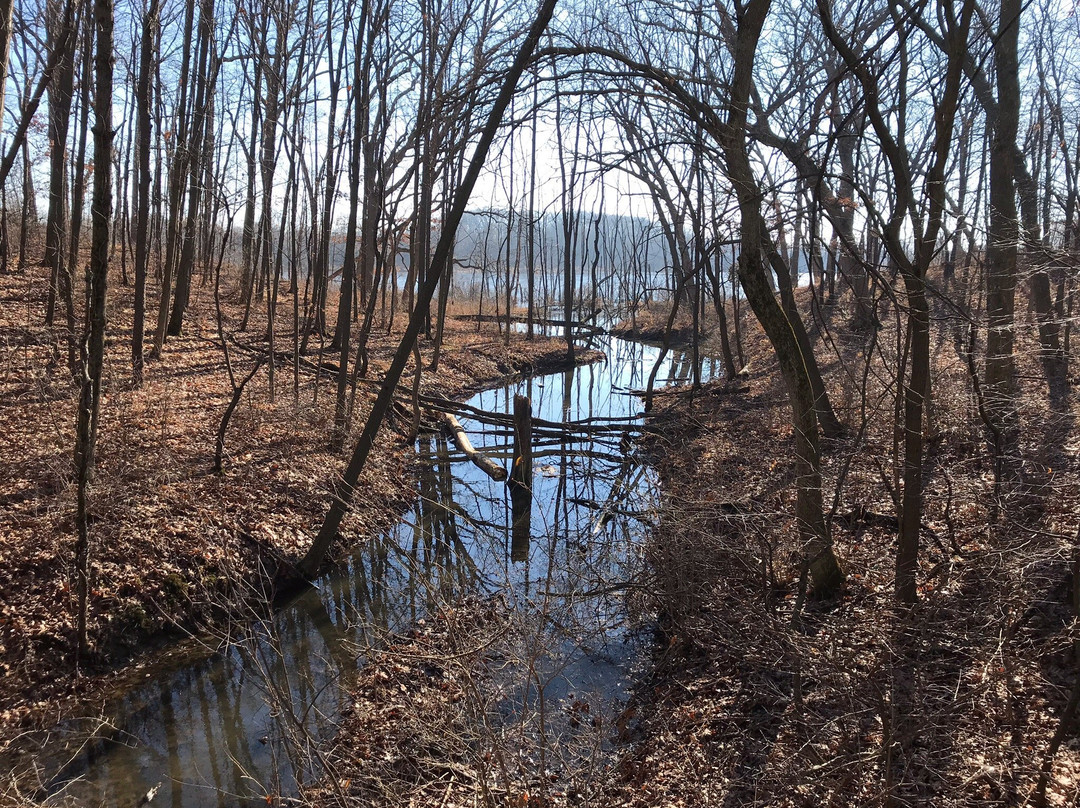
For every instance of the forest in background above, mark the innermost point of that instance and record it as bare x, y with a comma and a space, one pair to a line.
886, 193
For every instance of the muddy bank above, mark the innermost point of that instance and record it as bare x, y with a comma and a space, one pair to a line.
651, 324
680, 337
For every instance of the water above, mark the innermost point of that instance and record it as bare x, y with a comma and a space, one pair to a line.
209, 723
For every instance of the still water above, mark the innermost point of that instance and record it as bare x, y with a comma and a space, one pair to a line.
209, 722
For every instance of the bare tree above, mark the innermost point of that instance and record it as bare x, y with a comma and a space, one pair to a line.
1001, 248
101, 212
925, 222
6, 9
63, 29
143, 94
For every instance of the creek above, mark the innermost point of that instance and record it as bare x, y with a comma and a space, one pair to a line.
211, 723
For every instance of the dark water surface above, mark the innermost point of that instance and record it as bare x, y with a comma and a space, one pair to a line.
210, 723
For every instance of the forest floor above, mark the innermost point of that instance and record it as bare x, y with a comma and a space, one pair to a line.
745, 702
850, 701
176, 547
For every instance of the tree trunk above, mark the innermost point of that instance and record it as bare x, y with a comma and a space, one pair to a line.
348, 270
6, 8
826, 575
1001, 251
193, 166
60, 93
142, 205
90, 396
78, 193
177, 178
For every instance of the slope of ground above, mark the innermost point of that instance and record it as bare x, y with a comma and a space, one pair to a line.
174, 545
852, 702
753, 701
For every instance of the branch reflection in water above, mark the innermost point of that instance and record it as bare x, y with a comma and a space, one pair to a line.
215, 721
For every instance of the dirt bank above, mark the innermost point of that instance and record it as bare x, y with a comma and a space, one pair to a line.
849, 702
176, 547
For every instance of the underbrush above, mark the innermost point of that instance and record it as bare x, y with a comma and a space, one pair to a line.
760, 698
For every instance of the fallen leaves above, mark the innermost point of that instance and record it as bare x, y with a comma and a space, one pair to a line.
172, 544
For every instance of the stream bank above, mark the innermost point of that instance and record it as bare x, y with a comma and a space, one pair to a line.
748, 702
176, 548
216, 727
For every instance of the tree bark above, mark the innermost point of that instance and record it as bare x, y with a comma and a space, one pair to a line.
101, 210
999, 382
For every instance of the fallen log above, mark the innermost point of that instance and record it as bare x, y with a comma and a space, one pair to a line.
596, 424
481, 461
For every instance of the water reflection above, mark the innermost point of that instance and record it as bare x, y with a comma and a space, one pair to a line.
521, 502
214, 726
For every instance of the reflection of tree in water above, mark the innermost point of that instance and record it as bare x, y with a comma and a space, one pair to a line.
563, 534
521, 502
566, 639
424, 562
